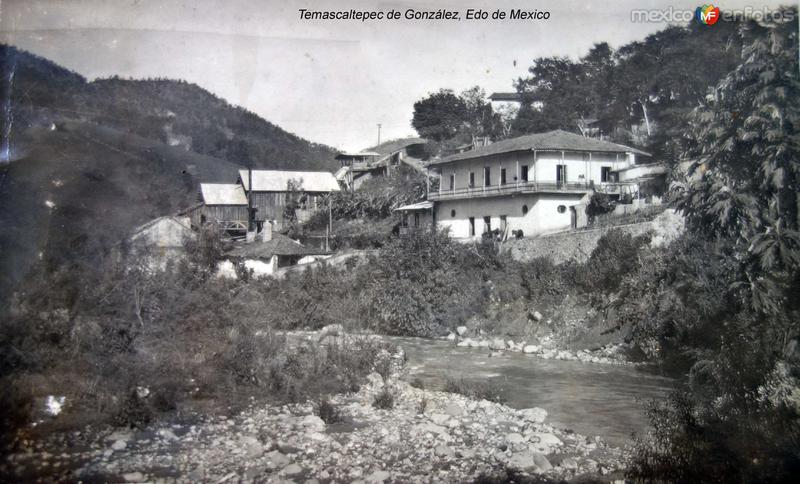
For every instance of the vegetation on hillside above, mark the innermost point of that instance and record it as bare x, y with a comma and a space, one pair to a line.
170, 111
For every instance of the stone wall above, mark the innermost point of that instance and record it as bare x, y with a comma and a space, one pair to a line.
579, 244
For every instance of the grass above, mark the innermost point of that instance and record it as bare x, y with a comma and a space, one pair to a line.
384, 399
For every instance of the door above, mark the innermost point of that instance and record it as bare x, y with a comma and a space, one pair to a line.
561, 175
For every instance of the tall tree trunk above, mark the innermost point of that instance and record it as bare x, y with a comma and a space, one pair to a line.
646, 119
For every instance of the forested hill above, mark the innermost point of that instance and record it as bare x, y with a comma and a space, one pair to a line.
170, 111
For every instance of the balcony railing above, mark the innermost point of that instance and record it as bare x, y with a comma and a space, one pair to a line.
525, 187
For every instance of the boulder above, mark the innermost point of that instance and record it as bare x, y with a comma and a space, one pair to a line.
541, 462
534, 415
535, 315
522, 460
292, 469
119, 445
377, 477
133, 477
444, 451
465, 343
312, 422
514, 438
276, 459
531, 349
497, 344
451, 337
439, 418
461, 330
453, 409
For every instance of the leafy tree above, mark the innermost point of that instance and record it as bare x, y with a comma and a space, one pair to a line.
439, 116
725, 301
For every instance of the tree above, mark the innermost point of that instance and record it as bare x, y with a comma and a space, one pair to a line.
439, 116
480, 120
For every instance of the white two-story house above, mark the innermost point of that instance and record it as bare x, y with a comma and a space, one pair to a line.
534, 183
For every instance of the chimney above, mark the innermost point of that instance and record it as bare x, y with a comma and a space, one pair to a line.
266, 232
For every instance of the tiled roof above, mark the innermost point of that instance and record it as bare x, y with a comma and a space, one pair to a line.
505, 96
551, 140
222, 194
278, 181
279, 245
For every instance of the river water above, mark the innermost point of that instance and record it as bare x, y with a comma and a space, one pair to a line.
591, 399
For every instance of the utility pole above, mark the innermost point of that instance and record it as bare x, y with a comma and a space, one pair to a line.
379, 133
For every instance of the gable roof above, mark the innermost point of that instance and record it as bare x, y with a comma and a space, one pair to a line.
278, 245
278, 180
222, 194
164, 231
552, 140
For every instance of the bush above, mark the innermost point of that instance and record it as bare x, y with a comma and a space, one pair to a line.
328, 412
486, 390
616, 255
384, 399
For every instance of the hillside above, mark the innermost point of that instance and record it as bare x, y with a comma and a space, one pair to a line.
111, 154
81, 187
171, 111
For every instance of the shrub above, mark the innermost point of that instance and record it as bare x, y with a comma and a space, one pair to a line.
384, 399
616, 254
328, 412
484, 390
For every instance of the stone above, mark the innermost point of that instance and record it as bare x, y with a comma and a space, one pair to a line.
461, 330
534, 414
252, 447
544, 441
497, 344
522, 460
377, 477
439, 418
312, 422
535, 315
451, 337
276, 459
292, 469
514, 438
453, 409
541, 462
119, 445
167, 434
133, 477
569, 463
444, 451
465, 343
375, 380
531, 349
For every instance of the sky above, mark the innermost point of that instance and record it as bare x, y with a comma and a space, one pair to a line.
329, 81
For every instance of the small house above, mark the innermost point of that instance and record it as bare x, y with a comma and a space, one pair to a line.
270, 252
380, 160
162, 240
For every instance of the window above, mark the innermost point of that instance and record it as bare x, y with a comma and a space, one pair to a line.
472, 179
487, 225
605, 174
561, 208
523, 173
452, 182
502, 176
524, 210
561, 174
452, 213
471, 226
487, 176
503, 224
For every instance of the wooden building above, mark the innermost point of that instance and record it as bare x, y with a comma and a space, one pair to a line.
223, 204
273, 190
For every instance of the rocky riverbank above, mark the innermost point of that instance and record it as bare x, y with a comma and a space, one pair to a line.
546, 347
427, 436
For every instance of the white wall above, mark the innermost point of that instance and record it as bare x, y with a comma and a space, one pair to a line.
580, 169
227, 268
542, 216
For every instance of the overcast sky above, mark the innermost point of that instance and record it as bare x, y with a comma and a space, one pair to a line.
327, 81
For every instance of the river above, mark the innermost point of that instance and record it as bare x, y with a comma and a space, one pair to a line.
591, 399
